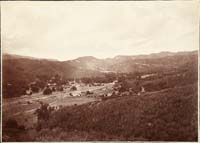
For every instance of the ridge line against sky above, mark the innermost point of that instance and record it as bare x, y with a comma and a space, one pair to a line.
100, 58
67, 30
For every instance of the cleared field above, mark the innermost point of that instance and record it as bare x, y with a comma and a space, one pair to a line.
23, 108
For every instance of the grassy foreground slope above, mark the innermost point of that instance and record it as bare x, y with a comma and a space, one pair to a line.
166, 115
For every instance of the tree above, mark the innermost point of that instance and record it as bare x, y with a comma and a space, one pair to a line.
43, 113
47, 91
73, 88
35, 89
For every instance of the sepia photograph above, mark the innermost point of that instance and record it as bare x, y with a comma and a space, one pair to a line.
90, 71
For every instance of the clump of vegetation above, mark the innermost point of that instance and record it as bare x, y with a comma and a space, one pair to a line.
35, 88
11, 123
14, 88
43, 113
53, 89
106, 78
12, 130
47, 91
73, 88
88, 92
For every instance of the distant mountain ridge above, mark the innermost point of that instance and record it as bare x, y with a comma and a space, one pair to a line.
15, 66
14, 56
152, 55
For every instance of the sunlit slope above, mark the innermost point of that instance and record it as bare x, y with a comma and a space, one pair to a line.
166, 115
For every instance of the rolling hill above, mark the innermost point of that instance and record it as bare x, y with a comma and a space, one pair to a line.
28, 68
165, 115
19, 71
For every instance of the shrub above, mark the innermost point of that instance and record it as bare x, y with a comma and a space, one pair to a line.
35, 89
53, 89
73, 88
88, 92
47, 91
11, 123
14, 88
43, 113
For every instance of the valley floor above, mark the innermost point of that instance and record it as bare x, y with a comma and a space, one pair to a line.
23, 108
167, 115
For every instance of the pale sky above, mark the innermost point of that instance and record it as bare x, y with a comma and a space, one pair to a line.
67, 30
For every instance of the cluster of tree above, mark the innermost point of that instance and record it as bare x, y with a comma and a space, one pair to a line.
134, 85
107, 78
130, 82
12, 123
47, 91
16, 87
58, 79
12, 130
73, 88
158, 80
43, 114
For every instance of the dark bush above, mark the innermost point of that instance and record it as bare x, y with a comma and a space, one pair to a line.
35, 89
43, 113
73, 88
47, 91
14, 88
11, 123
88, 92
53, 89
